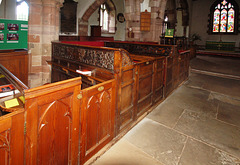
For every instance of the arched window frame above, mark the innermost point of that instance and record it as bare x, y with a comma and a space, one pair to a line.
18, 3
236, 18
104, 17
107, 10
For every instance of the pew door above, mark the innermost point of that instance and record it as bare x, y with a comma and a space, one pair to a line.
97, 118
52, 123
159, 79
145, 86
12, 138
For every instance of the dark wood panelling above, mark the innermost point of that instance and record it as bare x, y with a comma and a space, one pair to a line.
16, 62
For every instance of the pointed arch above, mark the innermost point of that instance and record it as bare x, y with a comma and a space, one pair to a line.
224, 17
92, 9
83, 22
107, 14
22, 10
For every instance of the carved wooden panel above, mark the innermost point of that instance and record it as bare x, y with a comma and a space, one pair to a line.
54, 131
5, 147
97, 118
154, 50
126, 61
103, 58
12, 138
52, 135
99, 129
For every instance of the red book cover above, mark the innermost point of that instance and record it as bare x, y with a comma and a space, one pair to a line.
6, 88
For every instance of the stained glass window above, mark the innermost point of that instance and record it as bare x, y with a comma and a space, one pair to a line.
216, 21
223, 17
230, 21
223, 22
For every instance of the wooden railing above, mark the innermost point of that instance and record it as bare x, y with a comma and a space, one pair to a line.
144, 49
64, 123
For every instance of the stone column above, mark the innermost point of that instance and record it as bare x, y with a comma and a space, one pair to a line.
82, 27
157, 9
136, 21
50, 31
35, 43
43, 28
132, 16
156, 24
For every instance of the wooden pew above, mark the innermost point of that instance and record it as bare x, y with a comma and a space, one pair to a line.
140, 79
173, 60
72, 118
105, 63
164, 62
11, 122
139, 83
60, 123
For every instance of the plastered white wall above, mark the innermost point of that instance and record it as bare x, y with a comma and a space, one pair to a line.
145, 6
8, 9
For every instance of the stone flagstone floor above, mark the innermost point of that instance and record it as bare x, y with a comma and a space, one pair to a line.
198, 124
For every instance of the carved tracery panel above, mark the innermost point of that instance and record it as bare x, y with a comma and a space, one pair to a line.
5, 147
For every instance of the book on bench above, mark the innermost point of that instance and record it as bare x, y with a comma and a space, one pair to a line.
84, 72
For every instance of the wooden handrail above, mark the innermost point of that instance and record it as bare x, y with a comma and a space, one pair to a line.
13, 79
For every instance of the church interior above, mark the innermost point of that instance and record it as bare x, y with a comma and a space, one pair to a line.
120, 82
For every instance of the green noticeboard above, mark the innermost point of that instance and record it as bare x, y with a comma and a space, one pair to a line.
13, 34
169, 33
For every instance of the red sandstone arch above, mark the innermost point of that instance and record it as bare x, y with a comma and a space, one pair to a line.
91, 10
83, 28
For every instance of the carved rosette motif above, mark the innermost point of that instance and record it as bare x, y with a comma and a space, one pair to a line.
91, 56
